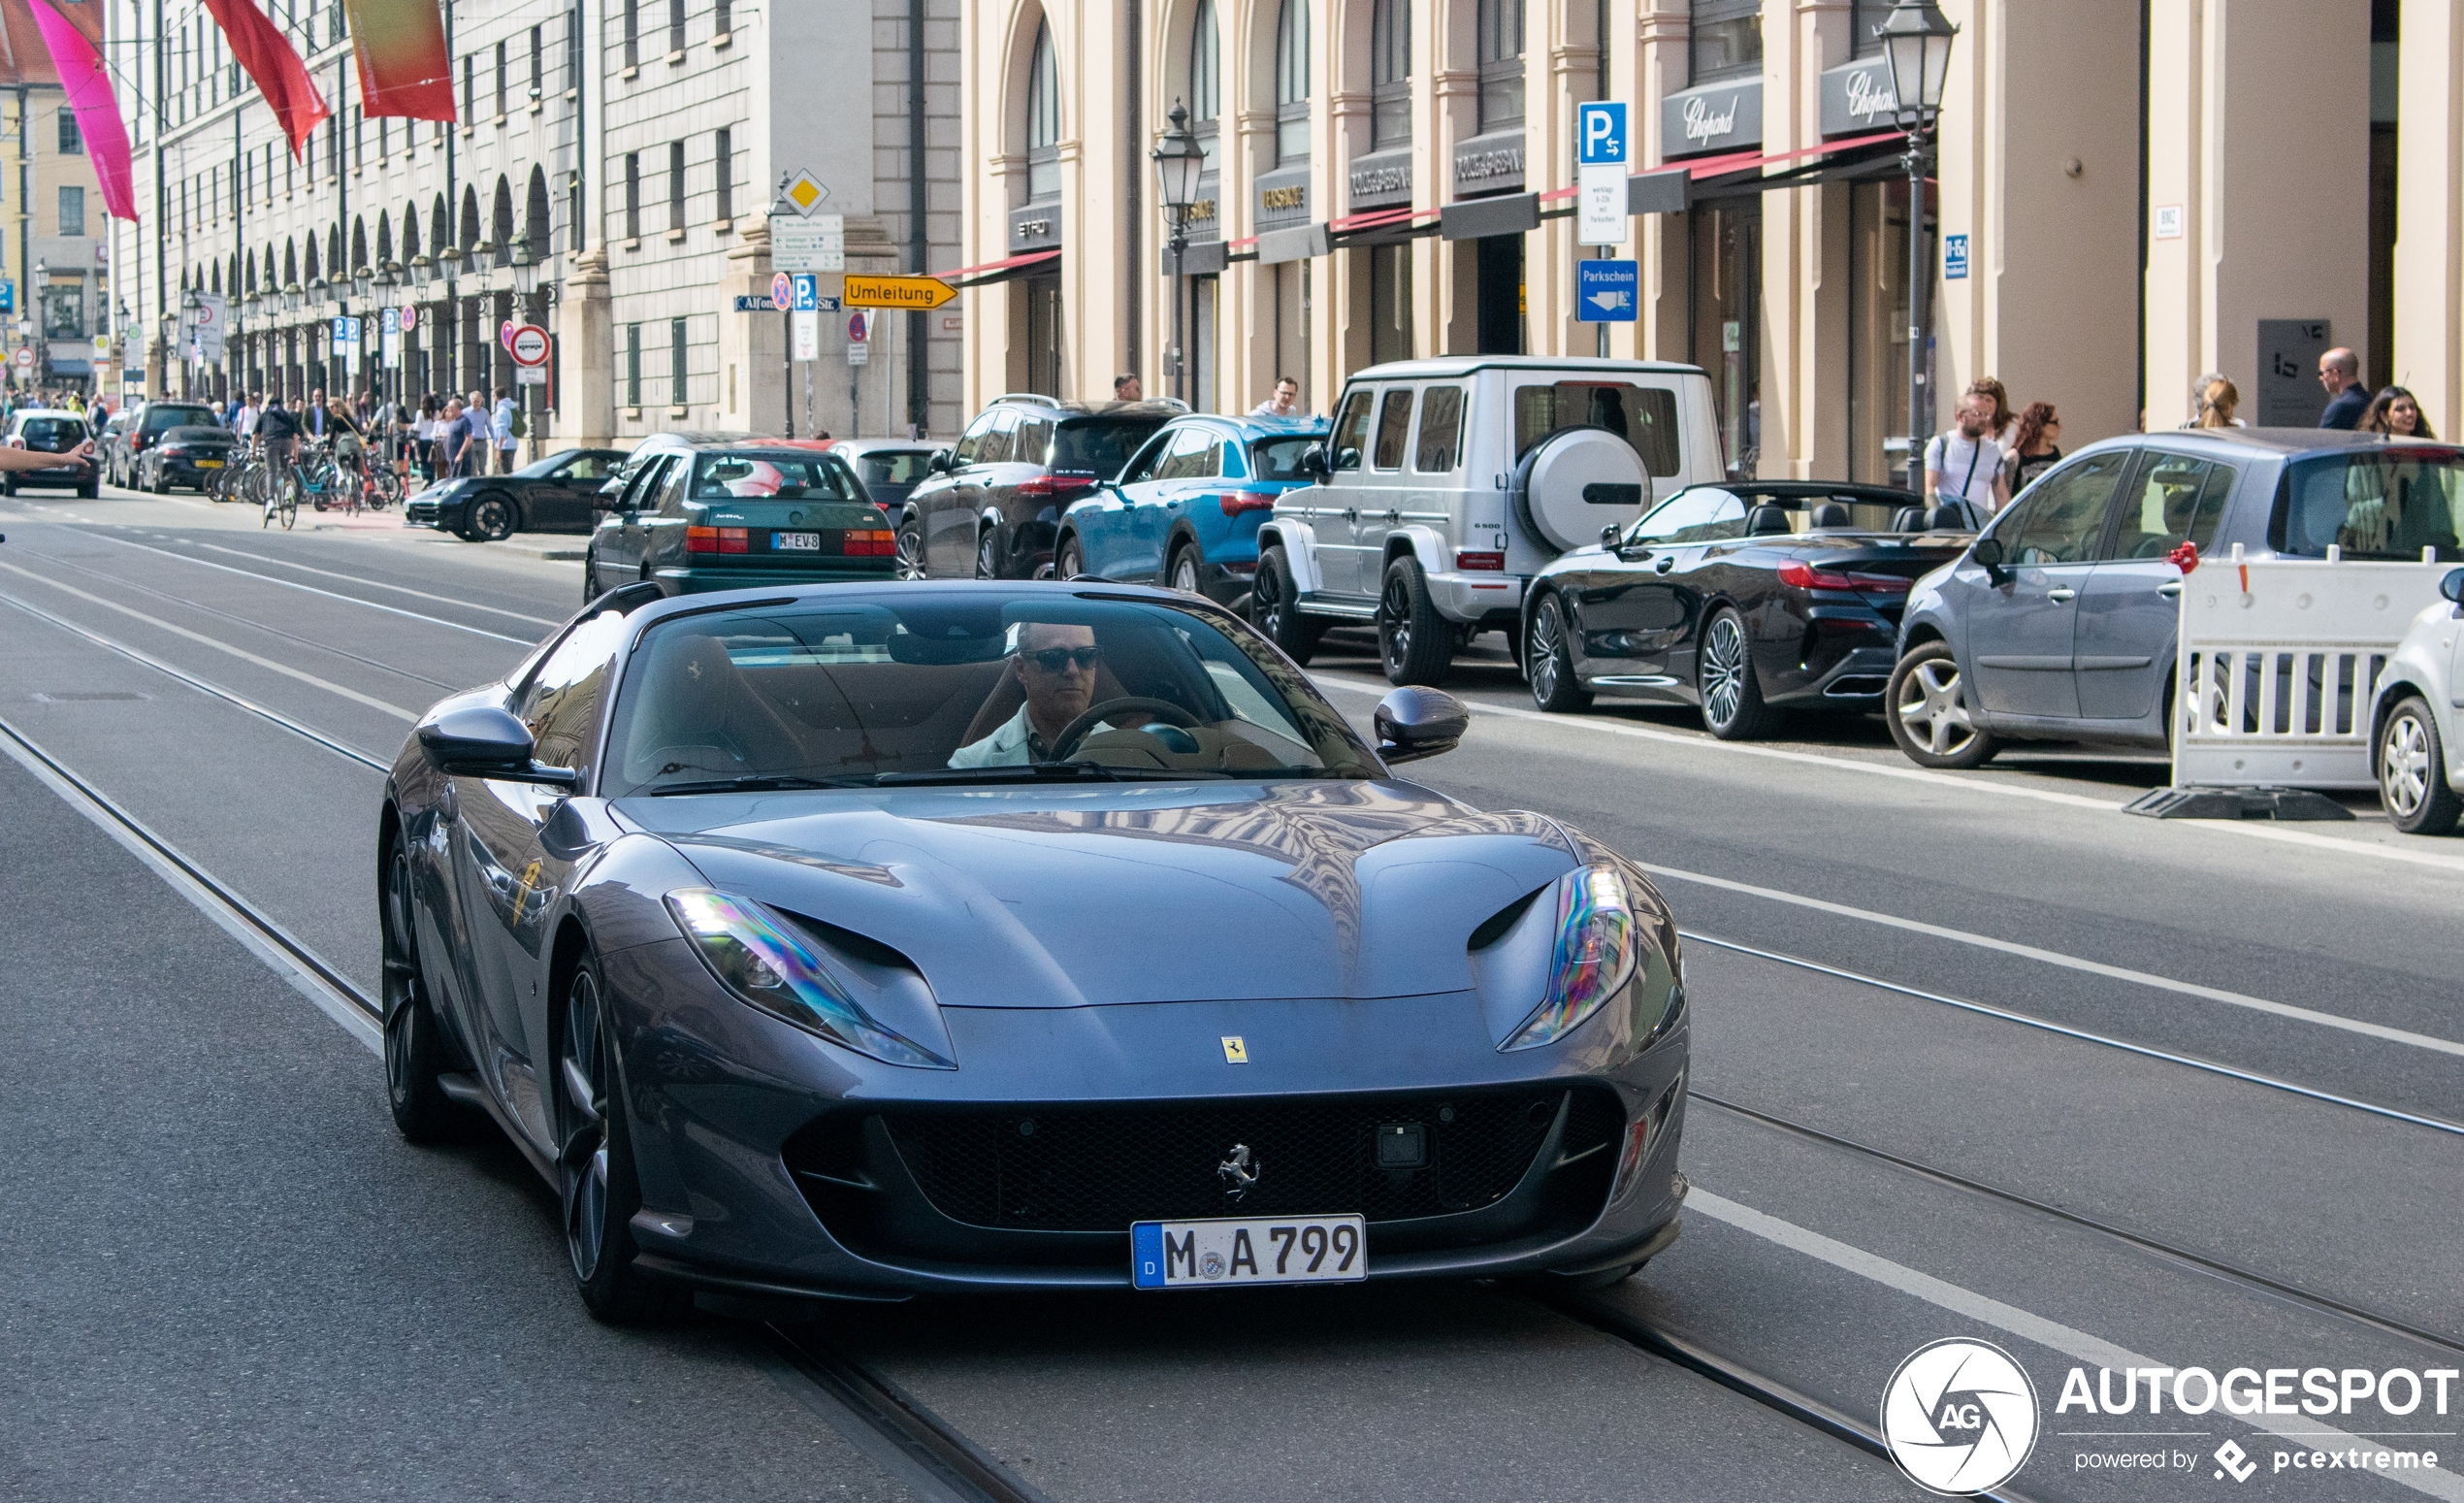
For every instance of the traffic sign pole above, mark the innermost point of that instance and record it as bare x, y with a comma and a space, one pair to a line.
1602, 150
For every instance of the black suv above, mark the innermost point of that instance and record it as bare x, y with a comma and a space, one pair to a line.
124, 458
994, 500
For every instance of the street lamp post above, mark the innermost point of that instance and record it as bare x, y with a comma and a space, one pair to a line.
1916, 40
1178, 161
782, 211
526, 281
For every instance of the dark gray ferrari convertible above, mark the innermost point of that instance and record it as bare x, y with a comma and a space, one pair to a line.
877, 940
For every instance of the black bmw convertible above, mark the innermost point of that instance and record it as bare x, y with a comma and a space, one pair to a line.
1745, 599
868, 940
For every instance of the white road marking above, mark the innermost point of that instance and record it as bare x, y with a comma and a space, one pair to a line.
263, 558
348, 599
2253, 829
2068, 961
2303, 1430
284, 668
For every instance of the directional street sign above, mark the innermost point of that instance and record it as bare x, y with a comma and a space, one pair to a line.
814, 243
909, 293
805, 191
1600, 173
1606, 291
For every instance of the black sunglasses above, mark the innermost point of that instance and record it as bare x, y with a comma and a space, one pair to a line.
1053, 659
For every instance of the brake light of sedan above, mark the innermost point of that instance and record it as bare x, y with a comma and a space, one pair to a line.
1234, 503
717, 539
1799, 575
871, 542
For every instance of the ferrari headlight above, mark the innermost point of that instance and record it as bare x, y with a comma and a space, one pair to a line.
1594, 957
758, 959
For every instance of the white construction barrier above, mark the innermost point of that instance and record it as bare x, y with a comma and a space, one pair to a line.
2277, 662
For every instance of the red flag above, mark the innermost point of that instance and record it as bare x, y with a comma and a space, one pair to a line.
270, 59
404, 69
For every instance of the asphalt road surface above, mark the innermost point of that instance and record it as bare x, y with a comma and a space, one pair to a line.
1977, 1054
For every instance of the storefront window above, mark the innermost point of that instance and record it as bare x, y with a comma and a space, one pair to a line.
64, 310
1728, 282
1291, 82
1865, 21
1878, 329
1726, 38
1390, 74
1206, 96
1501, 27
1042, 119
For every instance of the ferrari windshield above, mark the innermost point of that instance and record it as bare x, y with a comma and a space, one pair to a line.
916, 685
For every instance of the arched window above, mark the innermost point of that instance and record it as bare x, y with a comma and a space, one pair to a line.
1291, 82
1206, 92
1042, 119
1390, 74
1500, 26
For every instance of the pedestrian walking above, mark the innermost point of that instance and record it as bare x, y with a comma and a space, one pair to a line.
463, 444
2005, 424
2339, 371
2397, 414
425, 434
1284, 402
1964, 465
1126, 387
500, 423
2037, 445
2214, 398
243, 422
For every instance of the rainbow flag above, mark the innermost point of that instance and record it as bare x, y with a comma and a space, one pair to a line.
73, 33
404, 69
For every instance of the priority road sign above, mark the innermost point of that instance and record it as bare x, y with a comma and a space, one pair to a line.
1606, 291
529, 345
805, 191
782, 291
909, 293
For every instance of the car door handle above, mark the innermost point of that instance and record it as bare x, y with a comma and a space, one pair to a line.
2062, 595
2171, 589
1667, 562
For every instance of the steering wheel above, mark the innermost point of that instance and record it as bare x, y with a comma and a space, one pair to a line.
1077, 729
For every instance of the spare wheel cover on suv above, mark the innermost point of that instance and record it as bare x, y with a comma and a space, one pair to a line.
1577, 481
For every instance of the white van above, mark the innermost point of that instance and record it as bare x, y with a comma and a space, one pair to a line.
1447, 483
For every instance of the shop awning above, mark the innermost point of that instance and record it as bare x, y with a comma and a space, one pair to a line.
1736, 173
990, 271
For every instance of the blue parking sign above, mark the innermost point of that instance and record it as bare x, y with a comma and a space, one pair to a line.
1600, 134
1606, 291
808, 292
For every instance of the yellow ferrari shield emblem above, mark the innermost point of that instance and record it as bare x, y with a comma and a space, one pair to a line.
1235, 1052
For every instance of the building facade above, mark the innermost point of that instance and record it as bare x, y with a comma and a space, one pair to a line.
609, 177
2120, 200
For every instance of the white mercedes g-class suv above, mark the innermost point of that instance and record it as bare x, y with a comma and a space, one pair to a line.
1447, 483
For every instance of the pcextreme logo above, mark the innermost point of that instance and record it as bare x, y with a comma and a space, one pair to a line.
1959, 1417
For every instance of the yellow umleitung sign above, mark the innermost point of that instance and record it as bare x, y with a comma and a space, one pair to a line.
897, 291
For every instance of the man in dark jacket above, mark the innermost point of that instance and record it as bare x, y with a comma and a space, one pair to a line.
2339, 371
279, 430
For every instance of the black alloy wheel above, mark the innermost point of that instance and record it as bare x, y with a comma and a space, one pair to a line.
490, 519
1182, 572
1414, 641
910, 550
987, 554
595, 1163
1071, 560
1926, 706
1732, 708
1548, 659
1274, 606
416, 1054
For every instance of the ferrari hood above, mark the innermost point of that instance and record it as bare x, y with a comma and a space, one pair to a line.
1046, 897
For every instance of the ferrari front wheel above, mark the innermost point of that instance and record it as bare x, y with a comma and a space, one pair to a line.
416, 1052
594, 1164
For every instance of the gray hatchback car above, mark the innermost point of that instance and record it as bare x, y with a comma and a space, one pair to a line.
2059, 623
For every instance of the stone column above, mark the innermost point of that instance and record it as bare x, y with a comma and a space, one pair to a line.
2429, 208
752, 388
586, 357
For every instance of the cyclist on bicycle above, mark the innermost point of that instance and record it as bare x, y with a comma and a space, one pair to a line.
278, 433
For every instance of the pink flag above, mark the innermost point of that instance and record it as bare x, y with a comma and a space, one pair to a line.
80, 62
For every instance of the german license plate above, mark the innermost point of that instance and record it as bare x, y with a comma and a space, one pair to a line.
1267, 1249
210, 464
795, 542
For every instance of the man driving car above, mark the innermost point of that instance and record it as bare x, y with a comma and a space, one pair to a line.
1055, 665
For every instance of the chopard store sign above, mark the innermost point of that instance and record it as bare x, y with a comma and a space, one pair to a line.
1488, 164
1712, 118
1857, 98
